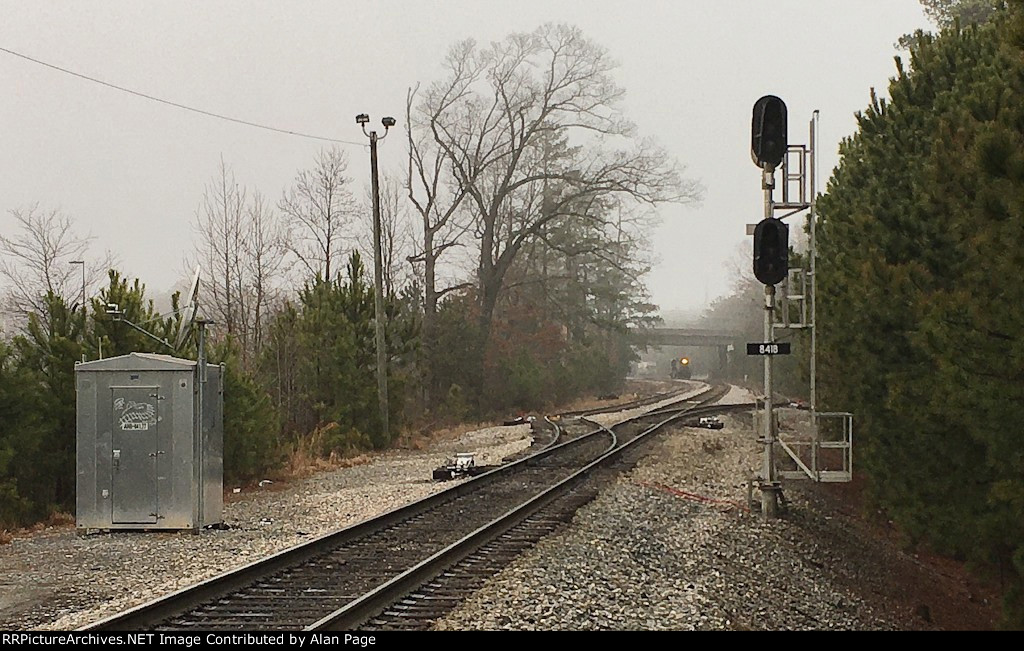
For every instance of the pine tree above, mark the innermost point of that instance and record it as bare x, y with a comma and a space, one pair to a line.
920, 318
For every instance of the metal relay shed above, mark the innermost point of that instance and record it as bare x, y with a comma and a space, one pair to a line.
143, 461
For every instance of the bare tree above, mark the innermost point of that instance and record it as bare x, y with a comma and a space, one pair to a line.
266, 248
395, 231
317, 209
35, 260
242, 247
220, 224
437, 198
496, 115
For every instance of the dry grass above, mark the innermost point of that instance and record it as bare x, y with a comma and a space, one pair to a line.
304, 458
57, 519
423, 437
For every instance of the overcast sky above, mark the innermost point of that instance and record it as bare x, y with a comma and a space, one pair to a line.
131, 172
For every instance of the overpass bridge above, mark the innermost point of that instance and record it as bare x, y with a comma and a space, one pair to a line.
725, 341
684, 337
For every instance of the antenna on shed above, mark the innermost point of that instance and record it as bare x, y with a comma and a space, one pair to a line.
190, 310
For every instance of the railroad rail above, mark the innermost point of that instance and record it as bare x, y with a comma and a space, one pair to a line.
348, 575
420, 607
629, 404
567, 425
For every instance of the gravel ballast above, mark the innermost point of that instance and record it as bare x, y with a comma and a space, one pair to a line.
673, 545
61, 580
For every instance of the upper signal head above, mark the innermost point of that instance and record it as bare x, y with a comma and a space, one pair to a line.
769, 132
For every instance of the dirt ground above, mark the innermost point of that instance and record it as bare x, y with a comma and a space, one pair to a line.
940, 592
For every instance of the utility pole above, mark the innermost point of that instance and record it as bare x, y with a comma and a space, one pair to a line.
200, 415
378, 273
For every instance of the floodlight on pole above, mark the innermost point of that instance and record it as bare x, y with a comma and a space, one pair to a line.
378, 275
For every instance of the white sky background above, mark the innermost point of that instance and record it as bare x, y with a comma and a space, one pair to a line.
132, 172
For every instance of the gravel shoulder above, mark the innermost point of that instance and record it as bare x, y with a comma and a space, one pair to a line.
57, 579
672, 545
61, 580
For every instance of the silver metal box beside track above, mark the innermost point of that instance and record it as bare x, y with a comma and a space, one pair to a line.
143, 460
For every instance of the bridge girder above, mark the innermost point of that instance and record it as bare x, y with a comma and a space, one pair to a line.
683, 337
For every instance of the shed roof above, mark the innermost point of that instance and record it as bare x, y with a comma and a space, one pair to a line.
137, 362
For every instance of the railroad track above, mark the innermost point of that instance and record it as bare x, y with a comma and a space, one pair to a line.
420, 608
442, 583
631, 404
571, 424
351, 575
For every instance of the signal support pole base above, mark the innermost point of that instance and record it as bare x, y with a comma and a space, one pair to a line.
771, 496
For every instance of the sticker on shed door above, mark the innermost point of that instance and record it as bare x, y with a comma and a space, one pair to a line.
134, 416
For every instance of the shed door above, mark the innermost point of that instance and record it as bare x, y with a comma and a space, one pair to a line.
135, 455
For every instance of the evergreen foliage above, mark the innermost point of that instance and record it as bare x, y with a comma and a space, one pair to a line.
251, 427
38, 401
23, 431
920, 314
321, 360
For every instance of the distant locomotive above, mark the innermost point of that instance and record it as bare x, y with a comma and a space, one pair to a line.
681, 368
